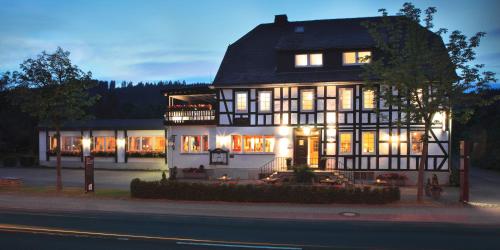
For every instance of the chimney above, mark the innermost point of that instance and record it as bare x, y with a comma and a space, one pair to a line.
280, 19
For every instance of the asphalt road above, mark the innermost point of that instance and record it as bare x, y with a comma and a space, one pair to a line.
29, 230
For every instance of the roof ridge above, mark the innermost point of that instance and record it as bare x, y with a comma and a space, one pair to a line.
334, 19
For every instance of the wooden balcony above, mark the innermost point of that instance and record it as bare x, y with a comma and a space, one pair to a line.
189, 115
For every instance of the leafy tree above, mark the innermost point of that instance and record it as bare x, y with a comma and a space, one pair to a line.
53, 90
423, 76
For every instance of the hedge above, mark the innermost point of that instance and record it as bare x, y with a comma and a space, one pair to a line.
9, 161
174, 190
27, 161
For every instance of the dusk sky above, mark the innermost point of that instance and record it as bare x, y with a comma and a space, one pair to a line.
186, 40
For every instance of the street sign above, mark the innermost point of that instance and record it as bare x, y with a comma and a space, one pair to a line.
89, 174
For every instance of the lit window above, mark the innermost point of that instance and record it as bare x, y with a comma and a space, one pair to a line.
236, 143
146, 144
368, 140
265, 101
345, 101
241, 102
194, 143
356, 57
368, 99
301, 60
330, 117
252, 143
416, 142
316, 59
345, 143
71, 143
307, 100
309, 60
104, 144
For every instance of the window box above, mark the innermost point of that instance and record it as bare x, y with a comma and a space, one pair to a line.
145, 154
65, 153
103, 153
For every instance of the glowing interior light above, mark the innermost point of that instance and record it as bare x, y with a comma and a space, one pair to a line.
306, 130
120, 142
394, 139
86, 142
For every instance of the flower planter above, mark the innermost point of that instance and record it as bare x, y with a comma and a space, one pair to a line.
194, 175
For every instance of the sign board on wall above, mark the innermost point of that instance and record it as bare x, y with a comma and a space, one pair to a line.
89, 174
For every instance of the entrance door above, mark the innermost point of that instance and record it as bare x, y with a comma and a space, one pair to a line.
313, 157
300, 150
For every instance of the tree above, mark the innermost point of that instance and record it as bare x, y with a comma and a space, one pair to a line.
53, 90
413, 69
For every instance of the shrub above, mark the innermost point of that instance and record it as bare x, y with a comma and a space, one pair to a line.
303, 174
174, 190
9, 161
454, 177
27, 161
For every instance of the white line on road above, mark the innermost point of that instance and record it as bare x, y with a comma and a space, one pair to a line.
236, 246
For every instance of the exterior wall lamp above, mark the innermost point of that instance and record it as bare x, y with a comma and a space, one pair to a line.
171, 142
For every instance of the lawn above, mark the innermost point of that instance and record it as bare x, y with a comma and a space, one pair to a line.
69, 191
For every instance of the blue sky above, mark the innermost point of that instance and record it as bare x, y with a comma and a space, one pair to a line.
186, 39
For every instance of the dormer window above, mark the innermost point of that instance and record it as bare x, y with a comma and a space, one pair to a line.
309, 60
356, 57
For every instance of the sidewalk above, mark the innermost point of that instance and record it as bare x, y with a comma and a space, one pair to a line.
397, 212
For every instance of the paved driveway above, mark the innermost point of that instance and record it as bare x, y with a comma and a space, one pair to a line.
116, 179
485, 186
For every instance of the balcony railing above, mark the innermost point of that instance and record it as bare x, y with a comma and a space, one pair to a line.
190, 115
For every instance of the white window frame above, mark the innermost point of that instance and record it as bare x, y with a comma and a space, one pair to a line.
263, 137
202, 144
141, 141
269, 101
302, 92
236, 102
340, 143
363, 99
356, 54
411, 143
374, 143
308, 56
94, 143
341, 99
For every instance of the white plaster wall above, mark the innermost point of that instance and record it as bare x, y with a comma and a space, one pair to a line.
176, 157
42, 146
282, 145
86, 146
145, 133
121, 148
103, 133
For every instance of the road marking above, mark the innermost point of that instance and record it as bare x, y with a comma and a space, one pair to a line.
236, 246
58, 231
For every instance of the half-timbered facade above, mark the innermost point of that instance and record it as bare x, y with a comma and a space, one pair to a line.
290, 93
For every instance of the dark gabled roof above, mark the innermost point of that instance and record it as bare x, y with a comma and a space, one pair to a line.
110, 124
252, 59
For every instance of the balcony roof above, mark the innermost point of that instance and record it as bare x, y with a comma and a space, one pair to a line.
190, 89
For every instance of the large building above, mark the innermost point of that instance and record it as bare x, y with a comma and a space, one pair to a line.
290, 93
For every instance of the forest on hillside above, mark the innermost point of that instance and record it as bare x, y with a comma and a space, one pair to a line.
126, 101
